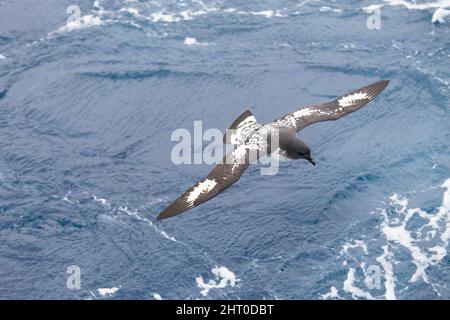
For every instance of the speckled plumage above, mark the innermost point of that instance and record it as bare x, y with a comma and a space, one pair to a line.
254, 140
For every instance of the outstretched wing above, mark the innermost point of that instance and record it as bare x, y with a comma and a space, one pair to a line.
332, 110
221, 177
241, 129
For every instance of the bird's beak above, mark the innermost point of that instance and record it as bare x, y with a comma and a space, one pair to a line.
311, 160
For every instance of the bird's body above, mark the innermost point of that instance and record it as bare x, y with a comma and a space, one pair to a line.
277, 139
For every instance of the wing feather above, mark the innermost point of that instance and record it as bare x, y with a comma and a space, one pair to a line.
221, 177
332, 110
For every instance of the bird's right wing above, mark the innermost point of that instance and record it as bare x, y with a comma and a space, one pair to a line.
221, 177
332, 110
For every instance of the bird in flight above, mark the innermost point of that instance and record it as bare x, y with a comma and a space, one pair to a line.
250, 136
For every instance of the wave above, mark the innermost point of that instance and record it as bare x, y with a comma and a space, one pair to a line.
108, 291
438, 224
121, 209
142, 74
171, 12
412, 235
223, 278
134, 13
157, 296
103, 13
190, 41
333, 294
82, 23
356, 292
438, 16
102, 293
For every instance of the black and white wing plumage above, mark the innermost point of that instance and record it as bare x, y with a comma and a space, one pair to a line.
241, 129
221, 177
332, 110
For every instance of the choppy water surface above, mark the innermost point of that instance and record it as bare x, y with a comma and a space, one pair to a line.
87, 109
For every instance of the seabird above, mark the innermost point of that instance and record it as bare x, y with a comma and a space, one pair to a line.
249, 135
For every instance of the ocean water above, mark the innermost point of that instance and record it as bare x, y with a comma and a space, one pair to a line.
88, 105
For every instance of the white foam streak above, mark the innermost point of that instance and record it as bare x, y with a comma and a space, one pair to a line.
66, 198
424, 236
389, 282
396, 231
107, 291
223, 278
372, 8
444, 213
133, 213
161, 16
132, 11
329, 9
333, 294
157, 296
266, 13
190, 41
438, 15
355, 291
136, 215
419, 6
84, 22
102, 201
400, 235
355, 244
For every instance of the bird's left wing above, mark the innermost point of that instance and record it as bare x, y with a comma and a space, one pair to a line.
221, 177
332, 110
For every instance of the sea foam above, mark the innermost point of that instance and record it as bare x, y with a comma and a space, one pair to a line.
423, 236
157, 296
223, 278
438, 16
108, 292
84, 22
333, 294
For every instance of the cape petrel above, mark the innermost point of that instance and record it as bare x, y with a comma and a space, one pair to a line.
249, 135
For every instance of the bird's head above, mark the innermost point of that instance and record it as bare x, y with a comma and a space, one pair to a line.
303, 151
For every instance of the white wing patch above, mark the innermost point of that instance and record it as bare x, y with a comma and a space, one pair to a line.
291, 119
302, 113
204, 186
249, 120
238, 156
243, 130
350, 99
